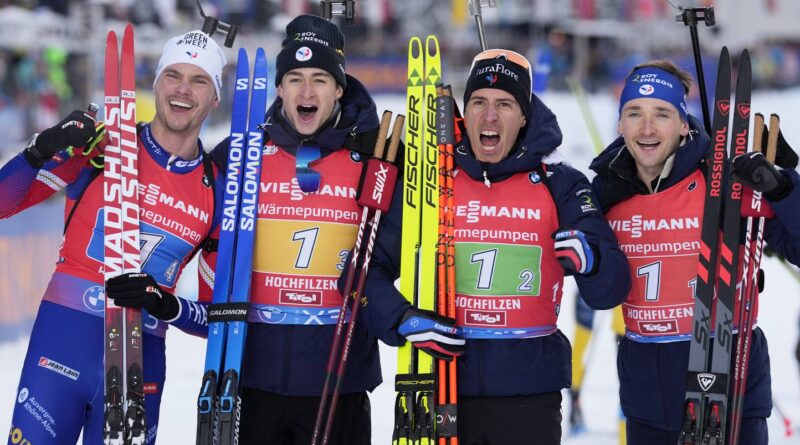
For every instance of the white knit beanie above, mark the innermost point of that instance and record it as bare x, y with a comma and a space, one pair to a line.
196, 48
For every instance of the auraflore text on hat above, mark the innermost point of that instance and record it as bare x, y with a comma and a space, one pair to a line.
650, 78
197, 39
497, 68
310, 36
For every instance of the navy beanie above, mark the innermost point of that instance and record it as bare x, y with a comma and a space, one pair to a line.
312, 42
503, 74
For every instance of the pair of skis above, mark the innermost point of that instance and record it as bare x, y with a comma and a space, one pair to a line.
124, 413
427, 258
375, 198
706, 407
219, 402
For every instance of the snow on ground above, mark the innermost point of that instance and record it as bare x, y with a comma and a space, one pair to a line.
780, 306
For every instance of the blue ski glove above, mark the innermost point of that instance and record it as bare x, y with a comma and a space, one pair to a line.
140, 290
433, 333
754, 170
574, 252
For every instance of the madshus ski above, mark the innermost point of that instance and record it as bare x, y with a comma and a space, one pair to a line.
124, 414
706, 402
219, 403
415, 383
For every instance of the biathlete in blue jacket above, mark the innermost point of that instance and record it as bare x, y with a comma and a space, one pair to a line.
654, 172
511, 269
61, 389
320, 130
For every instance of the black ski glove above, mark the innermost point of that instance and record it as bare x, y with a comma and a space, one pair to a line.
754, 170
140, 290
433, 333
76, 130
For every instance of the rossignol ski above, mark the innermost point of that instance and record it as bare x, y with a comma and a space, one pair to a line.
124, 415
415, 382
219, 403
706, 405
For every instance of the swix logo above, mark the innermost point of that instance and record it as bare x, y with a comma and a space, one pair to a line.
191, 54
474, 210
659, 327
380, 182
724, 106
755, 201
491, 78
637, 224
706, 380
744, 110
302, 298
485, 318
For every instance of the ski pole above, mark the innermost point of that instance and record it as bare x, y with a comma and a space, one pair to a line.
385, 175
447, 397
753, 251
475, 10
348, 288
787, 422
690, 17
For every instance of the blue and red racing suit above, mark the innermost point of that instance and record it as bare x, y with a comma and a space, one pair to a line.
61, 388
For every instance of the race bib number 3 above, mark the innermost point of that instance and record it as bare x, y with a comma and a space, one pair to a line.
498, 269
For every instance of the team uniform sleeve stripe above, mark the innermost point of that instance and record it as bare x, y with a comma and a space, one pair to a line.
50, 179
206, 272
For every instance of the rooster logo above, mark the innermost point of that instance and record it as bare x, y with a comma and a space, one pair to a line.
303, 54
191, 54
491, 78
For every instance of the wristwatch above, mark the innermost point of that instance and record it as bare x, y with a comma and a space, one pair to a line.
32, 153
32, 143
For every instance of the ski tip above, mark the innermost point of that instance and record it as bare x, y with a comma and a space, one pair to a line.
129, 29
261, 53
111, 39
414, 48
431, 46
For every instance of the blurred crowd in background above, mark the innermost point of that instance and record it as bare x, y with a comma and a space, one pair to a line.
595, 41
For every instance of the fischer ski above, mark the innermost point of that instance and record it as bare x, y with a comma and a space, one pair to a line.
219, 402
124, 413
706, 405
415, 382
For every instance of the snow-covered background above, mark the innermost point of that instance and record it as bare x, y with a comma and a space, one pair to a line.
779, 310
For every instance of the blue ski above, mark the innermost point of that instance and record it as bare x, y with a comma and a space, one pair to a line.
218, 401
